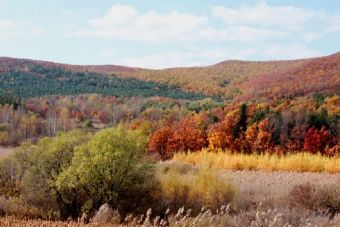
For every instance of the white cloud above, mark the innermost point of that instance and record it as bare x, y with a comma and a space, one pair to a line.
293, 50
5, 23
117, 16
287, 17
311, 36
126, 23
162, 60
199, 57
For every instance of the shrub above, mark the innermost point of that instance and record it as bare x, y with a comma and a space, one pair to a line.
110, 169
317, 198
16, 207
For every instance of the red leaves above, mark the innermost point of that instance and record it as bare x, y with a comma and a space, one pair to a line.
159, 142
317, 140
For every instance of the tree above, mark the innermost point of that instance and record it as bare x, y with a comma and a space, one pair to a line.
108, 169
158, 142
46, 161
241, 125
317, 140
187, 135
221, 134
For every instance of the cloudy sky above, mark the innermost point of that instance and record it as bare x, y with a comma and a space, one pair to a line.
167, 33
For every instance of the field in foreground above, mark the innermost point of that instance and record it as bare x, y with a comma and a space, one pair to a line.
263, 199
300, 162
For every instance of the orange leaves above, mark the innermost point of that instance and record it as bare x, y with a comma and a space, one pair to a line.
258, 138
218, 137
159, 142
188, 134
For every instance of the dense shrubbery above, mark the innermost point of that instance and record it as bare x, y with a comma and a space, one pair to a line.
77, 172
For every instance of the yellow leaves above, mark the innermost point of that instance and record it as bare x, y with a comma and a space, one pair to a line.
217, 140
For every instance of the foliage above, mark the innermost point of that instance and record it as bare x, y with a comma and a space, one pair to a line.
39, 165
317, 140
41, 81
186, 135
222, 80
108, 169
9, 100
310, 77
74, 172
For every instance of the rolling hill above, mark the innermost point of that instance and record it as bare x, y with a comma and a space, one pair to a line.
223, 79
231, 80
27, 78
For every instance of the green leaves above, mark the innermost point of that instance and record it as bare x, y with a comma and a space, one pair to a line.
110, 163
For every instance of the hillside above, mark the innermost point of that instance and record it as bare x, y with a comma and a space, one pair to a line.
231, 80
8, 64
321, 75
28, 78
223, 79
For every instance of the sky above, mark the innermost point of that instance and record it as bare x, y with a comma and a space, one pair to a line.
168, 33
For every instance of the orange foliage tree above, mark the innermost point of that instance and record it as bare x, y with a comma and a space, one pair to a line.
186, 135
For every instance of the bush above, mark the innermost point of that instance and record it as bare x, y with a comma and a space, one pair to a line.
110, 169
16, 207
317, 198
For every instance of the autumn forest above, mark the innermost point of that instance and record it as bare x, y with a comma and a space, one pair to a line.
82, 139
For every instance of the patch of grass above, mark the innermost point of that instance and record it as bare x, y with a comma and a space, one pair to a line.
194, 187
301, 162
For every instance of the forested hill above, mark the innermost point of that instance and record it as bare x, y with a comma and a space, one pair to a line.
8, 64
27, 78
230, 80
253, 80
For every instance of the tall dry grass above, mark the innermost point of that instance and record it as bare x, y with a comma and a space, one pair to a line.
223, 217
195, 187
300, 162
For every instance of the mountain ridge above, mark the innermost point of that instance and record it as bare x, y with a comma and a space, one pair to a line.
232, 79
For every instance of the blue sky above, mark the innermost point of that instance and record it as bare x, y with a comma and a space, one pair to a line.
167, 33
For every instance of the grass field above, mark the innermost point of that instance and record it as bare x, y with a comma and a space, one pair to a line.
301, 162
271, 189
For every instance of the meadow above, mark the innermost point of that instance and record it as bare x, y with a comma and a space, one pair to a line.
248, 198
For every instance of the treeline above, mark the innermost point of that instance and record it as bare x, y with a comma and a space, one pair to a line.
304, 125
298, 125
39, 117
37, 81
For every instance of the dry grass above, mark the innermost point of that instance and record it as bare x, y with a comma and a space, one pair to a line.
252, 186
225, 216
195, 187
301, 162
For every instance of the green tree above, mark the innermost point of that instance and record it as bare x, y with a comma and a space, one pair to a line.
43, 165
241, 125
108, 169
